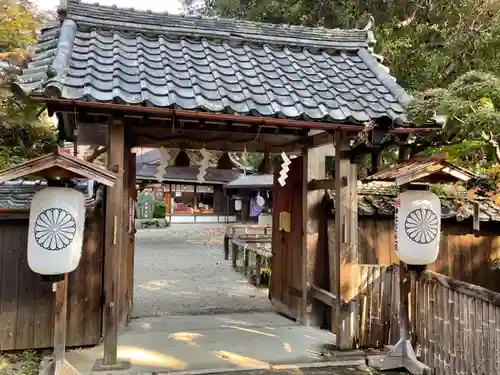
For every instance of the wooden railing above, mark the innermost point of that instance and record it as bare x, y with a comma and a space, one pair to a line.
243, 229
251, 253
455, 326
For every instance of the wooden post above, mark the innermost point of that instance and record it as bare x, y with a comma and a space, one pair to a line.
314, 235
125, 302
172, 195
60, 321
59, 365
113, 246
131, 229
346, 232
195, 203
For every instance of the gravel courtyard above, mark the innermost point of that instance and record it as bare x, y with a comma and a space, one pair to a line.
181, 270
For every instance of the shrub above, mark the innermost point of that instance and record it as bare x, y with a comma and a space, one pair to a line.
160, 210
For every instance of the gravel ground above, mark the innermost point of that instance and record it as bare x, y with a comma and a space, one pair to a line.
181, 270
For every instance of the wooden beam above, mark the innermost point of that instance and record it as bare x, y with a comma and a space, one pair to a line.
324, 296
321, 184
113, 245
319, 139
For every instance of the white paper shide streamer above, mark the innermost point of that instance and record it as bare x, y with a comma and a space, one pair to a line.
202, 172
165, 159
284, 169
418, 227
57, 218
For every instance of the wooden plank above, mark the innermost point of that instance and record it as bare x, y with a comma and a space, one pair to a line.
324, 296
44, 315
492, 354
26, 293
10, 283
479, 339
78, 309
93, 242
497, 339
114, 238
320, 184
454, 328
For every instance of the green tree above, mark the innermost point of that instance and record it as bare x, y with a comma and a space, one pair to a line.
470, 106
426, 44
25, 129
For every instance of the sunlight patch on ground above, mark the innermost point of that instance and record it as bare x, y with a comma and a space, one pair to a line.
233, 321
154, 285
187, 337
240, 360
139, 356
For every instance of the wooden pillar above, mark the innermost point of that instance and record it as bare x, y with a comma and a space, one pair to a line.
315, 236
125, 270
113, 245
131, 229
195, 203
346, 248
172, 194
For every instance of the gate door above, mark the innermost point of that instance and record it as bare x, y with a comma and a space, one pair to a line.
287, 246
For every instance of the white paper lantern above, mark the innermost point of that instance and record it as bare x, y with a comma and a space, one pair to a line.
238, 205
418, 227
55, 240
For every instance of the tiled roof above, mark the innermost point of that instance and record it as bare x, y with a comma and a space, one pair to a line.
109, 54
423, 169
380, 200
17, 194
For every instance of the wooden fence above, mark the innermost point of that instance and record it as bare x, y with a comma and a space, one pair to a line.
27, 303
455, 326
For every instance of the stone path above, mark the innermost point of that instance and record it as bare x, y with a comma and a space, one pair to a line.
181, 270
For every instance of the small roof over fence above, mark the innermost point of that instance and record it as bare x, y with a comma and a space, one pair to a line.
59, 164
428, 169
